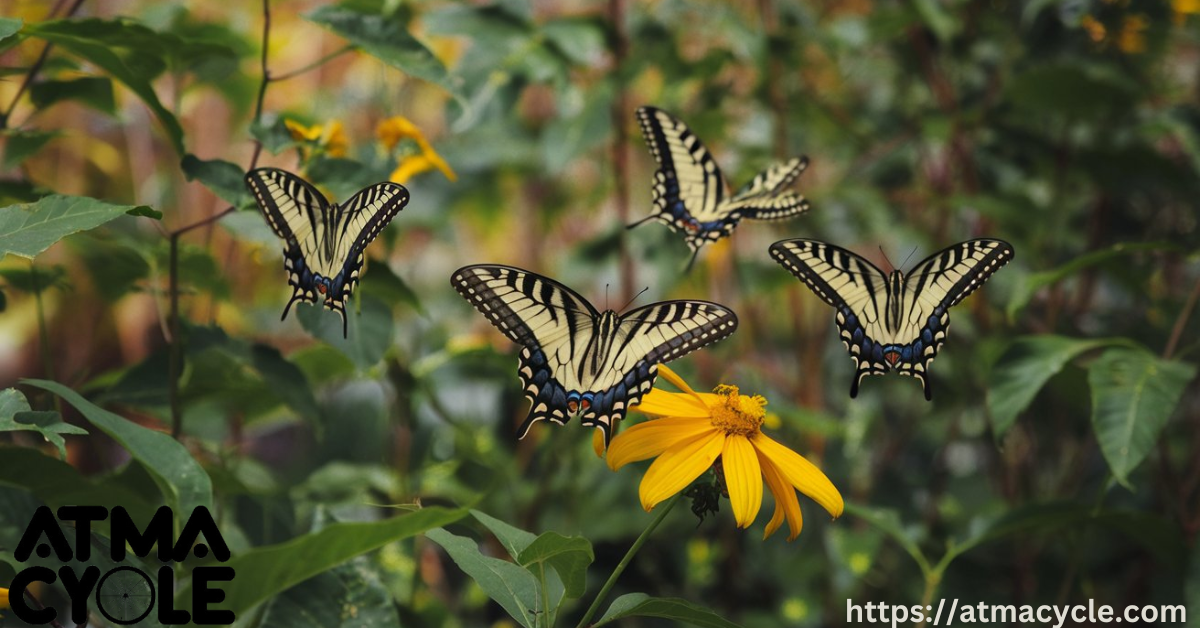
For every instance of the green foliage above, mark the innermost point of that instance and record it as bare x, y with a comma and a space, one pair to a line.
225, 179
16, 415
93, 91
513, 588
642, 605
1022, 371
31, 228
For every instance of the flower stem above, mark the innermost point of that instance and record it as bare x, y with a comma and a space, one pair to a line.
633, 550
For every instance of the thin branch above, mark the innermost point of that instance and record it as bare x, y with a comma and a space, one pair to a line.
620, 149
1181, 322
29, 596
35, 68
207, 221
314, 65
266, 78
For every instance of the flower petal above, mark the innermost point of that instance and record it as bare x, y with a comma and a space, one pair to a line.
678, 466
786, 503
598, 442
662, 403
743, 479
651, 438
802, 474
675, 379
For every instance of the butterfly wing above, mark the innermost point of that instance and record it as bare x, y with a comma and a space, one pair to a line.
323, 243
773, 180
549, 320
643, 339
934, 285
688, 185
856, 289
358, 222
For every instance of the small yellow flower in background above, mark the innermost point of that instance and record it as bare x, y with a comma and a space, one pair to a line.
330, 137
1132, 38
397, 128
3, 598
1095, 30
1184, 7
694, 429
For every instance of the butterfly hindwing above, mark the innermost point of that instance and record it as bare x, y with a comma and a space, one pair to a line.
576, 360
773, 180
324, 243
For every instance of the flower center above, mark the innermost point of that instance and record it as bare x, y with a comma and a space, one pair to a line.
737, 414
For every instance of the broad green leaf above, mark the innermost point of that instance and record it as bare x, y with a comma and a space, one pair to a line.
130, 52
9, 26
30, 228
20, 144
266, 571
386, 38
348, 596
93, 91
16, 415
642, 605
514, 539
369, 334
1031, 283
568, 555
56, 483
1133, 396
286, 380
384, 284
225, 179
509, 584
275, 137
36, 279
181, 479
1072, 89
1024, 368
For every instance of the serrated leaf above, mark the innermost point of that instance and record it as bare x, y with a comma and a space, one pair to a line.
180, 478
567, 555
642, 605
30, 228
385, 38
1134, 393
93, 91
19, 144
1024, 368
509, 584
266, 571
15, 415
225, 179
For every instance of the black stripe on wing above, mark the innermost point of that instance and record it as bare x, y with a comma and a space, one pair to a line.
697, 172
774, 179
779, 207
308, 203
505, 295
952, 274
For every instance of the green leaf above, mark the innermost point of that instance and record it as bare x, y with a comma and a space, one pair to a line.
286, 380
9, 26
16, 416
1072, 90
181, 479
130, 52
142, 211
30, 228
385, 38
1133, 396
642, 605
888, 522
514, 539
938, 19
1031, 283
225, 179
19, 144
93, 91
509, 584
56, 483
567, 555
275, 137
266, 571
369, 335
348, 596
1024, 368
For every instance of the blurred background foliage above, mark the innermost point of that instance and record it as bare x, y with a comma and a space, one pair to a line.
1059, 460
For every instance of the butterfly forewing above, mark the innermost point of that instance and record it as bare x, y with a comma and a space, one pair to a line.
576, 359
773, 180
688, 182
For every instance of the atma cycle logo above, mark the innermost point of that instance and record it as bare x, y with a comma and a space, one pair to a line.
124, 595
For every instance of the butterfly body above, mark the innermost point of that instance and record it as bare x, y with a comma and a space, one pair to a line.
577, 361
324, 242
690, 194
893, 322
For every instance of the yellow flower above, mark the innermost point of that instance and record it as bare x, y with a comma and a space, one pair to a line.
331, 137
1094, 28
694, 429
397, 128
1184, 7
3, 598
1132, 38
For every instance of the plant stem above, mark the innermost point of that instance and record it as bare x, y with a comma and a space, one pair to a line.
633, 550
29, 596
43, 332
1181, 322
266, 78
175, 357
314, 65
35, 68
620, 150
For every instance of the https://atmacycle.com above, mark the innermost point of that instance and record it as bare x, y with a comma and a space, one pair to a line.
952, 612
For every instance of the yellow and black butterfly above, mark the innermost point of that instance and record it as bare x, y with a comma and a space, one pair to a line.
324, 242
892, 321
689, 191
577, 360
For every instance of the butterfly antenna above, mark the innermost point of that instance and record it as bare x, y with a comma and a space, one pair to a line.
692, 261
639, 223
635, 298
885, 257
910, 254
606, 296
